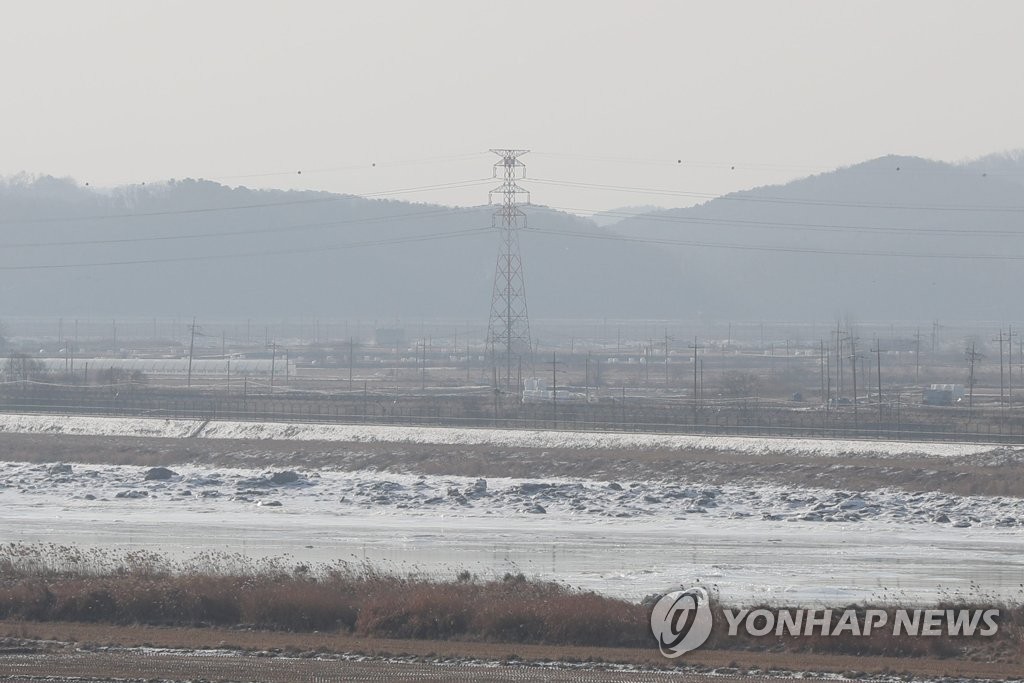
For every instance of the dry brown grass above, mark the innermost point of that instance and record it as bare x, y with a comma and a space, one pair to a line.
47, 583
62, 583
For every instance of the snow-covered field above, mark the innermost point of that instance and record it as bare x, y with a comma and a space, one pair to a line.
628, 538
755, 542
502, 438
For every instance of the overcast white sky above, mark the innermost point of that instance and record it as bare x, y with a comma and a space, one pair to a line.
602, 92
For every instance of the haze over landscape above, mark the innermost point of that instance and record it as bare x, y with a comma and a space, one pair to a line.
870, 130
889, 238
534, 341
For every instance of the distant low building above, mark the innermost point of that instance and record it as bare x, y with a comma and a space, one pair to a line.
535, 390
943, 394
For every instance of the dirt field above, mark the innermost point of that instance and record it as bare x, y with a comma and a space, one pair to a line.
60, 651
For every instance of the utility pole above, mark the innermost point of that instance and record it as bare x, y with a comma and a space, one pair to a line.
1009, 366
972, 357
650, 359
508, 329
878, 364
696, 386
554, 391
639, 364
666, 359
1002, 394
191, 348
273, 361
700, 385
828, 383
1020, 357
224, 357
351, 361
821, 368
588, 377
839, 361
853, 362
917, 357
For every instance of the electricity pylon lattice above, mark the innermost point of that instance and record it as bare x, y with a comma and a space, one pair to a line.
508, 329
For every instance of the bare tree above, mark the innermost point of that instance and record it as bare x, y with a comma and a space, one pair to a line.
21, 367
740, 384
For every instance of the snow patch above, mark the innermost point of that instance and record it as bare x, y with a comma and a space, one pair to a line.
508, 438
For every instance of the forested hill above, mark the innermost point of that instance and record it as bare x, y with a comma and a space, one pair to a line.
876, 241
199, 248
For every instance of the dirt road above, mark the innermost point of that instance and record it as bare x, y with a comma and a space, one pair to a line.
71, 651
142, 665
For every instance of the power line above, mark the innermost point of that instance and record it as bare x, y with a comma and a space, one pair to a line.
257, 205
775, 200
813, 227
771, 248
238, 233
761, 166
353, 167
675, 162
482, 181
268, 252
607, 158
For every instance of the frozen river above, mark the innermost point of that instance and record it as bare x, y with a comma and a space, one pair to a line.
754, 543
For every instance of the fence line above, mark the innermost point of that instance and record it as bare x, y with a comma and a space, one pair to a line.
375, 413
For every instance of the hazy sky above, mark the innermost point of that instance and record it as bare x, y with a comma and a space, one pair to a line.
603, 92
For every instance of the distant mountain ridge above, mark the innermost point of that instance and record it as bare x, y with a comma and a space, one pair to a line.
606, 218
873, 240
1004, 165
236, 252
791, 251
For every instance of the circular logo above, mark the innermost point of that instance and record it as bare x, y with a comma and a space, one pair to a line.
681, 621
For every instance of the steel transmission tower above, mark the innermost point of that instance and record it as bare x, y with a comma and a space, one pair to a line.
508, 329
